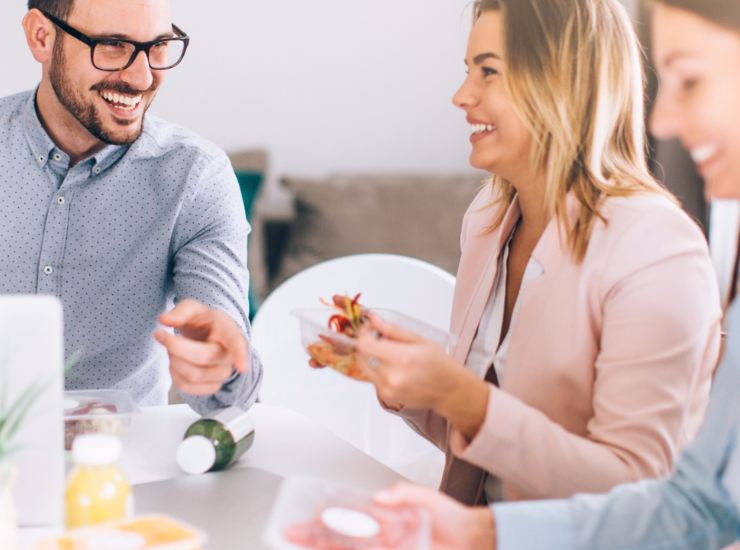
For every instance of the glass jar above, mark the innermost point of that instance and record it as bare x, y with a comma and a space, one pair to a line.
216, 441
97, 491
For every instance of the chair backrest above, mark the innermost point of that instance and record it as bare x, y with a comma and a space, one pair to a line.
346, 407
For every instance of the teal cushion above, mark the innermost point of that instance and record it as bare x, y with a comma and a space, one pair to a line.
250, 184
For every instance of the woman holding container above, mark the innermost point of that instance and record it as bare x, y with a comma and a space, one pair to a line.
696, 45
586, 295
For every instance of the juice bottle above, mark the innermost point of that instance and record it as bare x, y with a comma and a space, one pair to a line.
216, 441
97, 491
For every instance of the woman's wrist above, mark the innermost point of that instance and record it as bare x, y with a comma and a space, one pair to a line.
482, 528
464, 403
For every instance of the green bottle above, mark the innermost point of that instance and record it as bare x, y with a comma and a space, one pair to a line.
216, 441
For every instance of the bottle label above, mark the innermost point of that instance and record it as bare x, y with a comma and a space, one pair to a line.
235, 420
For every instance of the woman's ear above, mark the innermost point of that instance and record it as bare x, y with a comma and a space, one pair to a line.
40, 35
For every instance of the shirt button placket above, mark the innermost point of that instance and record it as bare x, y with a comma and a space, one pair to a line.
52, 248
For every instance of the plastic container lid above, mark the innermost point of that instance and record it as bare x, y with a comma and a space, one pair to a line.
196, 455
96, 450
350, 523
92, 404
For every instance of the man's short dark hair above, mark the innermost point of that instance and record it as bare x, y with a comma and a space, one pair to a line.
57, 8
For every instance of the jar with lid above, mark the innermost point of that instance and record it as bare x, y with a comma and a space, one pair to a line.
216, 441
97, 491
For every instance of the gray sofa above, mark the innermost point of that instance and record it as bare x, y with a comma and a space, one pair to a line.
414, 215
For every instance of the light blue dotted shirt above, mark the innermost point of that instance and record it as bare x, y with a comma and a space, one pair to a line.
119, 238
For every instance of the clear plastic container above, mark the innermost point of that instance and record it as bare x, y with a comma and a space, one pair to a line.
96, 411
143, 533
310, 514
336, 350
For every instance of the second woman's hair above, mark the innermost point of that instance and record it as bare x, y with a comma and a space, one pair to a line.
723, 12
573, 71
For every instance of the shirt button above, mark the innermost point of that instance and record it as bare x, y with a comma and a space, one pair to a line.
60, 200
42, 158
57, 156
96, 170
48, 270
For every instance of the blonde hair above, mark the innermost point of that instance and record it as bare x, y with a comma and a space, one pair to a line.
574, 74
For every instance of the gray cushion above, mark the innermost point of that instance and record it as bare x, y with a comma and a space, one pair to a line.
413, 215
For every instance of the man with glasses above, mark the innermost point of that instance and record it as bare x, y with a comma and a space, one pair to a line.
121, 214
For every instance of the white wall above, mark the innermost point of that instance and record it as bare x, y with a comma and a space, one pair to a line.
325, 85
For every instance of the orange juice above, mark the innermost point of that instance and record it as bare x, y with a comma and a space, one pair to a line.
97, 491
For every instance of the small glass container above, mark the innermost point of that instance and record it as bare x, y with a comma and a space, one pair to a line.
97, 491
216, 441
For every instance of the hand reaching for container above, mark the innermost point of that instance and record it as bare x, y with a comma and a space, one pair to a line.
207, 350
454, 526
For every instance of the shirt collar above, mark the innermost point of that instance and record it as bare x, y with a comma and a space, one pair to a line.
38, 139
44, 149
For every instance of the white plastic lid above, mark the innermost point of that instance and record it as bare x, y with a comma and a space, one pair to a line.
350, 523
96, 449
196, 455
70, 404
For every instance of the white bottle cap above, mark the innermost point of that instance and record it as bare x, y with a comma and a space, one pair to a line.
350, 523
96, 449
196, 455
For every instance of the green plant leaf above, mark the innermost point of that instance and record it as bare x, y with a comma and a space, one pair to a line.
17, 413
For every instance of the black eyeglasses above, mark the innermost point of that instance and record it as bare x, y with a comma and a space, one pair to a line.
117, 54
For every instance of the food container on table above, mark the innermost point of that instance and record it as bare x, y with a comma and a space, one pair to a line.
96, 411
337, 350
142, 533
311, 514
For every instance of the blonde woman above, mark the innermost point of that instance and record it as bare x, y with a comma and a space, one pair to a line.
590, 289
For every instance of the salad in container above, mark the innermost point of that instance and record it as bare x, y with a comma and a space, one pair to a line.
96, 412
328, 334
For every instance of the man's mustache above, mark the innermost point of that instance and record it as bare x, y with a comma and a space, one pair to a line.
120, 88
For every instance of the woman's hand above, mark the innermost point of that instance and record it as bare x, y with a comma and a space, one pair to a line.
454, 526
405, 367
410, 370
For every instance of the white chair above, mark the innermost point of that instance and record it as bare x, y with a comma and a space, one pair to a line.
346, 407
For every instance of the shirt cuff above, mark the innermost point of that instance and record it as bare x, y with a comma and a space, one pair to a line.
527, 525
480, 450
230, 379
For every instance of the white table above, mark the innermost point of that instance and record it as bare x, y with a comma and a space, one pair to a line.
286, 444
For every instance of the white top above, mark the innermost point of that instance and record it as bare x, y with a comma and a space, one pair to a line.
723, 235
488, 337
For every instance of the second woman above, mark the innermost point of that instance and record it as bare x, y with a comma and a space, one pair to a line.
585, 293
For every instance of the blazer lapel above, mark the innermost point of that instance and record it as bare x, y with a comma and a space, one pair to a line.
471, 296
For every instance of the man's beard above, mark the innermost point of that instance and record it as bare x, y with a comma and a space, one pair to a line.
87, 115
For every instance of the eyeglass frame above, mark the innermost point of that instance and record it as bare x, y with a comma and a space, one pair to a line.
138, 46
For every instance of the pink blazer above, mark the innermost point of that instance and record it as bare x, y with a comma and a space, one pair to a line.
610, 361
